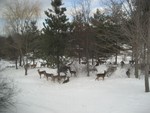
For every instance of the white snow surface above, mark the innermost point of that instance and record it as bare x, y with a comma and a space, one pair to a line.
116, 94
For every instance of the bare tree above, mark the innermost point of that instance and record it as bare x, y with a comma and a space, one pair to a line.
17, 13
136, 26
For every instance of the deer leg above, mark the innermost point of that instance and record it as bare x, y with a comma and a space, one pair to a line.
96, 78
103, 78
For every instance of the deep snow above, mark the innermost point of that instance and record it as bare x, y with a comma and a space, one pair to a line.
116, 94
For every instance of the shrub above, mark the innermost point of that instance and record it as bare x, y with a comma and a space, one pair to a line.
7, 92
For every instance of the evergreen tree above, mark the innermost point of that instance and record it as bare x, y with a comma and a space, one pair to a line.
108, 34
55, 31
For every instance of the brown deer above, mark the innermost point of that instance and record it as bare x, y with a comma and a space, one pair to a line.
72, 72
41, 72
48, 75
101, 75
43, 64
58, 78
67, 80
34, 65
128, 73
55, 77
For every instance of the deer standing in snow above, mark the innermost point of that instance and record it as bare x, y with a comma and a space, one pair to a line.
48, 75
41, 72
34, 65
101, 75
72, 72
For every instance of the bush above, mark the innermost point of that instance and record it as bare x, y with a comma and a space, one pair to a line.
7, 92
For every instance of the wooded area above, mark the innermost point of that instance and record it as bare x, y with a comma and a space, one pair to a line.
86, 36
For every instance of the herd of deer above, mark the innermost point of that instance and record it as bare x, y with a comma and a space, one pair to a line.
65, 78
61, 78
30, 65
35, 64
54, 77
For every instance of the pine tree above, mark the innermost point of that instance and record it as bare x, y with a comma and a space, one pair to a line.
55, 30
108, 34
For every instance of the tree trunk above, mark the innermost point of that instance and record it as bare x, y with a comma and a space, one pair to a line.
147, 78
26, 71
58, 65
20, 60
148, 60
136, 64
132, 59
92, 58
147, 70
16, 64
116, 55
87, 55
79, 56
26, 66
136, 68
116, 58
87, 60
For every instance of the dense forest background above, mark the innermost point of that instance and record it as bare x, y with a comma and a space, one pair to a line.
86, 36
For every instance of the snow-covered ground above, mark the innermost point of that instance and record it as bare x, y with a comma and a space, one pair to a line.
116, 94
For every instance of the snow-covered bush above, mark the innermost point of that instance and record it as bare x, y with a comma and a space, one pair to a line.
7, 92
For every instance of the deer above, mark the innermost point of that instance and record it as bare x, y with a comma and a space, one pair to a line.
64, 69
84, 62
55, 77
43, 64
131, 62
48, 75
122, 64
67, 80
34, 65
72, 72
58, 78
101, 75
128, 73
41, 72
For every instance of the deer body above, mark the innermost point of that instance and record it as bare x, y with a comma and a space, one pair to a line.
64, 69
41, 72
43, 64
33, 65
48, 75
72, 72
55, 78
100, 75
58, 78
128, 73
